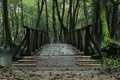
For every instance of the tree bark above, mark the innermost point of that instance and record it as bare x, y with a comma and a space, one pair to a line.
106, 34
54, 22
114, 23
6, 24
39, 12
97, 31
62, 26
47, 24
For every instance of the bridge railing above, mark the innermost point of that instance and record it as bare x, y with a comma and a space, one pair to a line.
34, 38
82, 39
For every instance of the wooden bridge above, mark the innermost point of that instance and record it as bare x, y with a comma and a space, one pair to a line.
82, 39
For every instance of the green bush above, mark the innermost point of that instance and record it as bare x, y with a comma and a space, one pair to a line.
110, 64
112, 48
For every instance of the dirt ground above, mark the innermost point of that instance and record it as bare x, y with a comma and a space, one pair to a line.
19, 74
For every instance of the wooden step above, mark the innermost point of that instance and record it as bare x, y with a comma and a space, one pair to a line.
24, 65
83, 57
29, 57
89, 64
86, 60
27, 60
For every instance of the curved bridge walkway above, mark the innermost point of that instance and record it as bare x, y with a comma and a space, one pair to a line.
58, 57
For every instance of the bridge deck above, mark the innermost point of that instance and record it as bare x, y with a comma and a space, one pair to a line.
61, 63
60, 57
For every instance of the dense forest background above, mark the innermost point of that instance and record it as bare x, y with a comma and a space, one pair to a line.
58, 16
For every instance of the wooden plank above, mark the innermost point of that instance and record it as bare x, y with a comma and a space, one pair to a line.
89, 64
86, 60
27, 60
83, 57
24, 65
29, 57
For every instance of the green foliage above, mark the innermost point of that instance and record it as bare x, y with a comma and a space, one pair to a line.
110, 64
112, 48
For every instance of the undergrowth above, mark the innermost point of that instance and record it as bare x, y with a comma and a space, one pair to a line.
110, 64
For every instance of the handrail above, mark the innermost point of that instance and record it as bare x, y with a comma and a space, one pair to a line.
18, 51
82, 39
35, 29
83, 28
34, 38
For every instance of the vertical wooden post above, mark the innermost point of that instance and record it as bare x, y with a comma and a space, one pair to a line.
41, 37
28, 42
73, 38
38, 39
37, 43
86, 49
78, 39
70, 38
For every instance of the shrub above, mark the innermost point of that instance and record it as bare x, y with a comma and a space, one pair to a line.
112, 48
110, 64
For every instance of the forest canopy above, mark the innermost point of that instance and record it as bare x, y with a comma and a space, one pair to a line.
58, 16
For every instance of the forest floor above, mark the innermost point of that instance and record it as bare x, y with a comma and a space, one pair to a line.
53, 70
9, 74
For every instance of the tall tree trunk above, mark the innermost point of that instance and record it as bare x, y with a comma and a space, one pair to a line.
114, 23
6, 24
70, 12
22, 17
73, 13
17, 26
97, 31
39, 12
106, 34
47, 24
54, 22
22, 14
85, 12
60, 18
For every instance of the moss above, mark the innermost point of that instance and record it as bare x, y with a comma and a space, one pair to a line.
106, 34
112, 48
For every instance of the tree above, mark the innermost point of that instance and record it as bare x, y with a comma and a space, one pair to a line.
54, 22
6, 24
106, 34
39, 12
46, 7
97, 28
114, 21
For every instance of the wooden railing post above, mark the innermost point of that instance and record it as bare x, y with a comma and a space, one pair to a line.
86, 47
28, 41
32, 40
41, 37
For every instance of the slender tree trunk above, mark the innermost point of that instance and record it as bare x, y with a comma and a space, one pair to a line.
17, 26
54, 22
47, 24
39, 12
85, 12
97, 31
6, 24
114, 23
106, 34
22, 14
73, 13
70, 12
63, 28
22, 17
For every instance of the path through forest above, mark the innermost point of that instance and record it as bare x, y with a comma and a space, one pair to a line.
57, 62
61, 57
